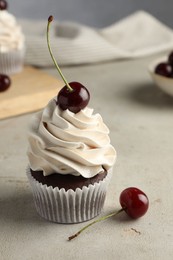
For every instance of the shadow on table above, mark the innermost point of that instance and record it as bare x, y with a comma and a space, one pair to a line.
149, 95
18, 208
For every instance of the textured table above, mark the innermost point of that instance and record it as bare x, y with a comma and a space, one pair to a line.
140, 120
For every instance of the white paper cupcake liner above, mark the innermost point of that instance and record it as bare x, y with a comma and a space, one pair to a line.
70, 206
11, 62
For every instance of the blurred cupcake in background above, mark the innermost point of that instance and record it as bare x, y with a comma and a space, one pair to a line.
12, 42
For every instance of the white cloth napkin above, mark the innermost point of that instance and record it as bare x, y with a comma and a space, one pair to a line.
135, 36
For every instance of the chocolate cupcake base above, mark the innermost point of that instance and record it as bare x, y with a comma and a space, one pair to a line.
69, 205
66, 181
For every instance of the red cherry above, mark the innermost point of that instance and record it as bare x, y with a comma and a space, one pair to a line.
134, 202
75, 99
164, 69
170, 59
5, 82
73, 96
3, 5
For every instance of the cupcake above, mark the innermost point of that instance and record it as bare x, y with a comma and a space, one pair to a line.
70, 156
11, 42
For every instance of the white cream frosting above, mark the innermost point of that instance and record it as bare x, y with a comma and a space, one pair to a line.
11, 36
67, 143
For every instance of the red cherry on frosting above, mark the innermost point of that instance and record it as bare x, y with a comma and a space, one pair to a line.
73, 96
3, 5
75, 99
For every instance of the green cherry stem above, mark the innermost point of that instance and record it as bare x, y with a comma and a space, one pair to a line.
50, 19
94, 222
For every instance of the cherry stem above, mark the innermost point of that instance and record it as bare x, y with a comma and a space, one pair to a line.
94, 222
50, 19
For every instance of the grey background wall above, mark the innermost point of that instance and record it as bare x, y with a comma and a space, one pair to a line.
96, 13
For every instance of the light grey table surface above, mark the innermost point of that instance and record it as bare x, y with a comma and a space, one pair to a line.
140, 119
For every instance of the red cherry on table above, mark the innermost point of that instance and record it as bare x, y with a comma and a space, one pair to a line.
75, 99
5, 82
134, 202
3, 5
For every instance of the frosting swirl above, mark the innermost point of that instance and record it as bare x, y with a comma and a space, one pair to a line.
11, 36
67, 143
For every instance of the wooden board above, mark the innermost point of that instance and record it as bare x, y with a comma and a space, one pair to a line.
30, 91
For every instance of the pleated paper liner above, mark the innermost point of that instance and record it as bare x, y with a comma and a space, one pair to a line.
69, 206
